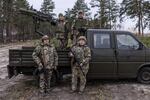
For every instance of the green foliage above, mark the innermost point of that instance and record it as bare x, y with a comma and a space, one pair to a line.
146, 14
107, 12
47, 6
55, 42
146, 41
79, 5
21, 4
136, 9
23, 24
68, 13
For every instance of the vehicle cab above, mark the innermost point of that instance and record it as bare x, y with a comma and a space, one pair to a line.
118, 54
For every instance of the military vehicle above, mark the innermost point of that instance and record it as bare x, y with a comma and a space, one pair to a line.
115, 55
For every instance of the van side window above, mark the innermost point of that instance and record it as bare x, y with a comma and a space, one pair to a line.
101, 41
125, 41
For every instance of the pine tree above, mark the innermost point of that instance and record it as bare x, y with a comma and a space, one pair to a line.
8, 11
48, 6
1, 21
22, 23
107, 12
146, 13
68, 13
113, 13
136, 9
80, 5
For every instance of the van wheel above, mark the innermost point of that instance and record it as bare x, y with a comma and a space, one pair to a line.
144, 75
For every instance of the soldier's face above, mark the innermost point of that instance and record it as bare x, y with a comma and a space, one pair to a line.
61, 17
46, 41
81, 15
82, 42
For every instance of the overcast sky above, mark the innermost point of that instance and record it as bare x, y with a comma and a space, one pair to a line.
60, 5
63, 5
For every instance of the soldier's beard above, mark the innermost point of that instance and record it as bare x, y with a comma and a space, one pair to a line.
80, 17
61, 20
46, 42
81, 44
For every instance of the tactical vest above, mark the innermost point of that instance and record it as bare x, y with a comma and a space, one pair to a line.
79, 54
47, 55
61, 27
79, 23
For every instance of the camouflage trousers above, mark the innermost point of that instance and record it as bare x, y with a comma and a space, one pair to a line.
77, 74
45, 79
62, 40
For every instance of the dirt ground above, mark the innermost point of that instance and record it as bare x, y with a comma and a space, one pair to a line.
24, 87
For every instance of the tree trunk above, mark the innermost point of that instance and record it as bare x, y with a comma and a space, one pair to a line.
1, 34
139, 18
142, 27
139, 25
141, 12
7, 14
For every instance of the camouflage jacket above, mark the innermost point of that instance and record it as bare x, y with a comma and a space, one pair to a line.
82, 54
80, 23
45, 55
62, 27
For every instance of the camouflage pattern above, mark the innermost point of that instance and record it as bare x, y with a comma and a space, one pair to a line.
62, 33
61, 27
79, 25
82, 54
45, 56
45, 79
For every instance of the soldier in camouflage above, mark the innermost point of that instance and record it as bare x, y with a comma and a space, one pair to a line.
79, 26
45, 56
61, 31
81, 54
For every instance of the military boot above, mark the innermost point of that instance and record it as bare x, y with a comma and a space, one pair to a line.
80, 92
72, 91
42, 93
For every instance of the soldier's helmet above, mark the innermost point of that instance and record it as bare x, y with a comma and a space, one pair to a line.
45, 37
60, 14
80, 12
82, 38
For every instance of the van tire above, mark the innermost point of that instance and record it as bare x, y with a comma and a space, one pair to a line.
144, 75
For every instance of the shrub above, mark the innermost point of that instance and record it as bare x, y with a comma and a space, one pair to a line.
146, 41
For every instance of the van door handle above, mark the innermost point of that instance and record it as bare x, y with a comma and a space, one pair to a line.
116, 52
